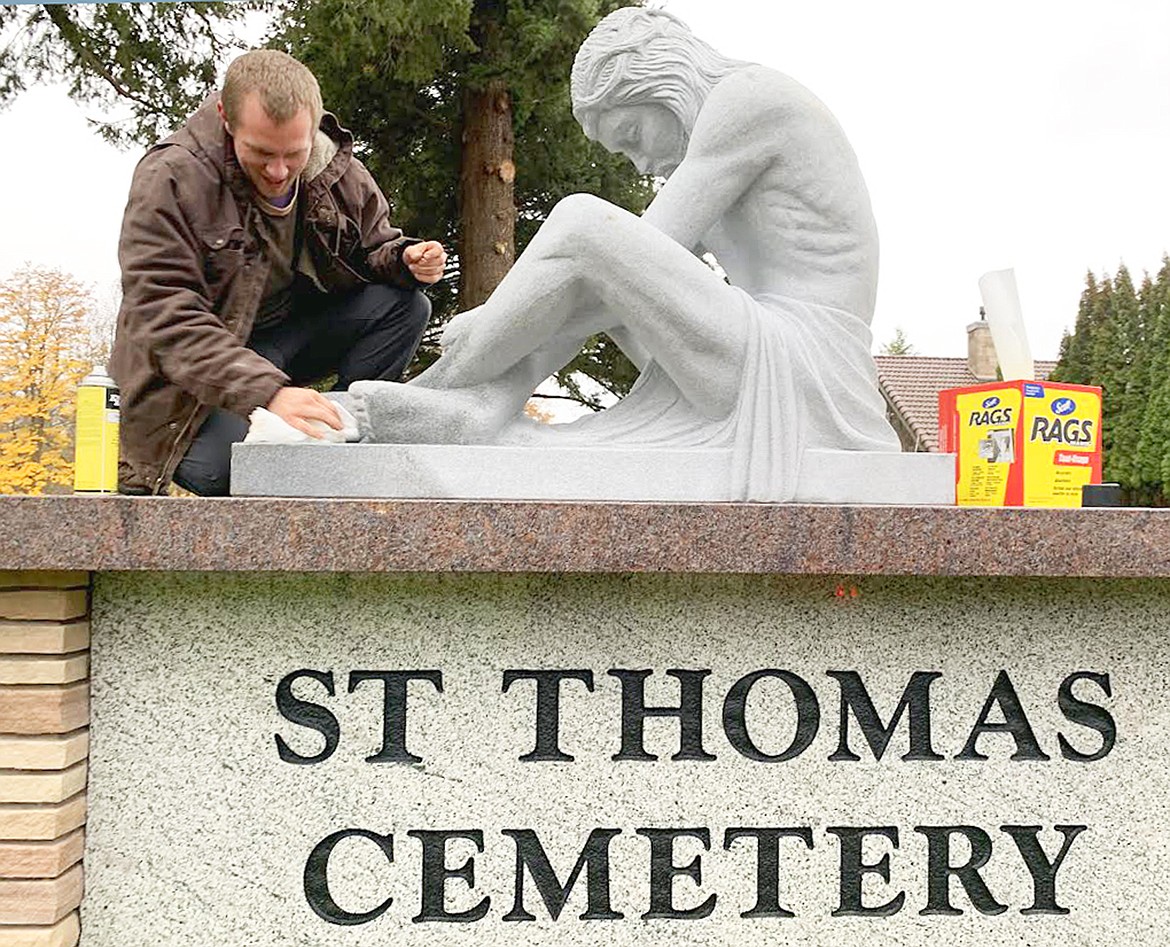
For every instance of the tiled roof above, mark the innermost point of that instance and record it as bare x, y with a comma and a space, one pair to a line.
911, 383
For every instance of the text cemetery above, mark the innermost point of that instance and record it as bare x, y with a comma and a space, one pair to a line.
444, 863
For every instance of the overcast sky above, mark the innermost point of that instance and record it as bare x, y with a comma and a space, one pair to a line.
1024, 133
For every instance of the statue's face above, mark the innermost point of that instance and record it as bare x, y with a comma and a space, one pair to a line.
650, 135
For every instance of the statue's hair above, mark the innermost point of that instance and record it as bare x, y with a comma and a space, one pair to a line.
635, 56
285, 86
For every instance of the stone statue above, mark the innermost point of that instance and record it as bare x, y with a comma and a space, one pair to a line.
771, 363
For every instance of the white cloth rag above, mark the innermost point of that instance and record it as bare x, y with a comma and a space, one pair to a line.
267, 428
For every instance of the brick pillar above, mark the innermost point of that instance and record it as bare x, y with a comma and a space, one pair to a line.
44, 744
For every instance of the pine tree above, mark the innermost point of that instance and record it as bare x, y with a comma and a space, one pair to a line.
1062, 357
1154, 445
1122, 344
1146, 484
1098, 358
1074, 365
1128, 378
898, 345
42, 320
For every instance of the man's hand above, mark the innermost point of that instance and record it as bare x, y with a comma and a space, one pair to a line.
298, 406
425, 261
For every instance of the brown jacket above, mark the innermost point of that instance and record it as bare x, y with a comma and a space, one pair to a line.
193, 276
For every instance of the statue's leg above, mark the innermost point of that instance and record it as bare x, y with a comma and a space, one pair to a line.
594, 266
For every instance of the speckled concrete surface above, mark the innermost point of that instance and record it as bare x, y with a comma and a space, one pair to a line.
123, 533
199, 834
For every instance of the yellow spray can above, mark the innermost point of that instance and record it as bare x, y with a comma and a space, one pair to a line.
95, 463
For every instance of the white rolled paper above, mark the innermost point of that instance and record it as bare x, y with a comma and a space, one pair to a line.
1001, 301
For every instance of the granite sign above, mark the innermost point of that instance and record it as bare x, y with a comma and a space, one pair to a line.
362, 760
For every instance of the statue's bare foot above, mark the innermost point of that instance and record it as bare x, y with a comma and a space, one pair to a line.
391, 413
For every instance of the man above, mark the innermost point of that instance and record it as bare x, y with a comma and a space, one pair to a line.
257, 256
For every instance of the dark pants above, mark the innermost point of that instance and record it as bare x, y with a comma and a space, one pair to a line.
371, 333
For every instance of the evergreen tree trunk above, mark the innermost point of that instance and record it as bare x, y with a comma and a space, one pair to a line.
487, 207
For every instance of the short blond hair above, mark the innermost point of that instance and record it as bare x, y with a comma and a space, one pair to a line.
285, 86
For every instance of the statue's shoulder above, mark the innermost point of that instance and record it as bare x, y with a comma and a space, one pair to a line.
768, 99
761, 87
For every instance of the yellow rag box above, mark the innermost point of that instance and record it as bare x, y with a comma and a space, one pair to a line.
1021, 443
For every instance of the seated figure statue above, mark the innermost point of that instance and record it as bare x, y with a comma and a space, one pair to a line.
769, 363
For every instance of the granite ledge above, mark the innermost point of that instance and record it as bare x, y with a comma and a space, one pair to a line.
287, 535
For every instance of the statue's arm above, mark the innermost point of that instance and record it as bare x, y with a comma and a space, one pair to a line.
736, 137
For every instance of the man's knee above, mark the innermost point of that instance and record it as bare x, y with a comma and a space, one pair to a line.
203, 480
418, 313
408, 309
206, 468
393, 321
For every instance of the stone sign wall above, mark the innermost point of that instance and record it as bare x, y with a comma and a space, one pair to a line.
361, 760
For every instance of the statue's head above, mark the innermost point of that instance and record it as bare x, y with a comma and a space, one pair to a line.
638, 83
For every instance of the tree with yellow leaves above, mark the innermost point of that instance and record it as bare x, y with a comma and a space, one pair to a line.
43, 341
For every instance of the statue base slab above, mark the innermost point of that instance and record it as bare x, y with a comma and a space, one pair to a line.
455, 471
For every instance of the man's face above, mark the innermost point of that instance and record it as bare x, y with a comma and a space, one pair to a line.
650, 135
271, 155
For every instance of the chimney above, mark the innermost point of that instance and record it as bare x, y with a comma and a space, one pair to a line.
981, 359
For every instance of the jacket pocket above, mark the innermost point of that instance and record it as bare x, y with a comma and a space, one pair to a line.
338, 235
223, 255
349, 240
334, 272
